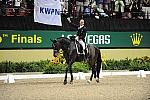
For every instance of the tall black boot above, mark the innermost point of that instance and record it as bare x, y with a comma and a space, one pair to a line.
85, 56
85, 51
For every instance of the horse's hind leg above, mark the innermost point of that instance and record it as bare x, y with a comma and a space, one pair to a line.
89, 81
95, 73
70, 69
98, 67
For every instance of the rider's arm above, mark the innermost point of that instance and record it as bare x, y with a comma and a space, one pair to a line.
72, 24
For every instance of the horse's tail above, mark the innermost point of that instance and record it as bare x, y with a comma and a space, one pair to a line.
99, 62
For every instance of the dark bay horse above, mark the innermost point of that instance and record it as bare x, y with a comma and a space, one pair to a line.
70, 54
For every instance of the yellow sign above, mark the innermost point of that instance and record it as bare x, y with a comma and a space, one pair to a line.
0, 39
26, 39
136, 39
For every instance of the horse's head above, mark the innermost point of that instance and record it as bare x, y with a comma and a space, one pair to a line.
60, 43
56, 47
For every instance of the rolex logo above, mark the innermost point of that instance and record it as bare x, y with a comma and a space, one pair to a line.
136, 39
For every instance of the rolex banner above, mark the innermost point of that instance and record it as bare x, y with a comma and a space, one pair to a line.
41, 39
47, 12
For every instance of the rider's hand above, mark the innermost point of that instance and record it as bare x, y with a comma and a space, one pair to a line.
69, 20
77, 38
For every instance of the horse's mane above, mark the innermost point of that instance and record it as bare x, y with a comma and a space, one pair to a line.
65, 38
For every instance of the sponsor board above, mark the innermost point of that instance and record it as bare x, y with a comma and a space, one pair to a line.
41, 39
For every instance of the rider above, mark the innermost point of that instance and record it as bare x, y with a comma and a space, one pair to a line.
81, 34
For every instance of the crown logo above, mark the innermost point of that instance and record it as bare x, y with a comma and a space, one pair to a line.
136, 39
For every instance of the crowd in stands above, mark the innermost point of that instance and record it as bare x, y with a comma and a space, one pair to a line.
16, 7
127, 9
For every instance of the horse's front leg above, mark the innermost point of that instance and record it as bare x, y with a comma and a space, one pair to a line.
65, 81
99, 66
70, 69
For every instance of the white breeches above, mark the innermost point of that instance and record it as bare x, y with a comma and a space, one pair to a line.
82, 43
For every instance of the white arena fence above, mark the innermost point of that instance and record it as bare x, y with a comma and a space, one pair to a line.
10, 78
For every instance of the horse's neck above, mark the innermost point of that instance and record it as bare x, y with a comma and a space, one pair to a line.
65, 44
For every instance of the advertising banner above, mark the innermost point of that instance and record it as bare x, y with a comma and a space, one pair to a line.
41, 39
47, 12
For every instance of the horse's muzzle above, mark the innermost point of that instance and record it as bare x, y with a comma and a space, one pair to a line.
55, 53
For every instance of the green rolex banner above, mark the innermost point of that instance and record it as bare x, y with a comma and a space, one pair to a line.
41, 39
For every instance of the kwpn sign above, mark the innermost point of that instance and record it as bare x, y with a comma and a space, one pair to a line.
49, 11
41, 39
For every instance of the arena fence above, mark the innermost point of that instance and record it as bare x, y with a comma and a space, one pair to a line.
10, 78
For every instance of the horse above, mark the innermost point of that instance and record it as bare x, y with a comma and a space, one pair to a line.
70, 54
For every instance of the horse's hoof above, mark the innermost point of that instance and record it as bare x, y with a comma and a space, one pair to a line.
97, 80
88, 81
71, 82
65, 82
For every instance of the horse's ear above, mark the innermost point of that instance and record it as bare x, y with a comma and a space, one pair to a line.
54, 41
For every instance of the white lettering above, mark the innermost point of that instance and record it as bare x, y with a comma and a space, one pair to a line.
95, 39
101, 39
90, 38
107, 39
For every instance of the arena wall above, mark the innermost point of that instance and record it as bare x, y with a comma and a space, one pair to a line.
44, 54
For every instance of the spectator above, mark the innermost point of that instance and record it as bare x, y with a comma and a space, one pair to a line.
0, 7
3, 7
24, 4
119, 8
79, 4
99, 3
87, 8
127, 15
30, 6
146, 8
98, 12
107, 4
134, 9
17, 5
71, 4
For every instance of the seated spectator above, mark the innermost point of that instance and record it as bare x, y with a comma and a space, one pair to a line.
17, 5
107, 5
99, 3
98, 12
0, 7
3, 7
30, 6
126, 15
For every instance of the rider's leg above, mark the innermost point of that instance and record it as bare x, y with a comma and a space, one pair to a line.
83, 45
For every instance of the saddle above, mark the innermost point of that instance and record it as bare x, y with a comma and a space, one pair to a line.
78, 46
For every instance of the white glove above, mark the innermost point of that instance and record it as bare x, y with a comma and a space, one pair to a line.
69, 20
